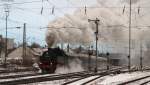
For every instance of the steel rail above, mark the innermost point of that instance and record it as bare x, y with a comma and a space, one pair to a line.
101, 74
41, 78
136, 80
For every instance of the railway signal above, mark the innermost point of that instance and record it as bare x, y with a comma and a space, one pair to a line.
96, 21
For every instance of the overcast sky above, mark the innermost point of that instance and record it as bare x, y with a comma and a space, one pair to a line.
30, 13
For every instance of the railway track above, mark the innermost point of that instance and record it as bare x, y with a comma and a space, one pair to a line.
84, 77
89, 78
142, 80
138, 81
16, 70
24, 79
17, 75
34, 78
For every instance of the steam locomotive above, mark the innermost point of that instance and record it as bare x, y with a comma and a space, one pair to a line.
51, 58
54, 57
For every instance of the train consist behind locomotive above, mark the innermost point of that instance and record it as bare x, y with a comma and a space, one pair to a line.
54, 57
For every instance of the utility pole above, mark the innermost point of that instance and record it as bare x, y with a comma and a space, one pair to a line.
108, 60
130, 22
1, 45
24, 42
5, 59
96, 35
68, 47
141, 56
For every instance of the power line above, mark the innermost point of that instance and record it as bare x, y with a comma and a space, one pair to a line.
14, 21
107, 26
50, 3
21, 3
71, 7
31, 11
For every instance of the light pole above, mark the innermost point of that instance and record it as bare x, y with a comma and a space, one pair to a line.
7, 14
6, 42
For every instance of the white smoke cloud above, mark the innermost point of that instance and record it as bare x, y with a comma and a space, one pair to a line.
113, 24
132, 1
84, 32
74, 65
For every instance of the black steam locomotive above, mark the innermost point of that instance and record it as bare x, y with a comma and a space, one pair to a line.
51, 58
56, 57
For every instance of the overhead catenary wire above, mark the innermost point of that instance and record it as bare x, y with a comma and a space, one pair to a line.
55, 7
88, 7
11, 20
50, 3
29, 2
31, 11
107, 26
85, 7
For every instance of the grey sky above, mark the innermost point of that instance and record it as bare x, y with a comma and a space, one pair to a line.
30, 13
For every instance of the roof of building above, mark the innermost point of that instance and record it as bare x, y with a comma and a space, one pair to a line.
30, 53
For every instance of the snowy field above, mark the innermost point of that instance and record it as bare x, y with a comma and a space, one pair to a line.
115, 79
56, 82
107, 80
16, 73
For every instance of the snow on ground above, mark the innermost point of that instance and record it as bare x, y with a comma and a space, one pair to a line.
83, 80
115, 79
140, 82
28, 77
16, 73
107, 80
148, 83
56, 82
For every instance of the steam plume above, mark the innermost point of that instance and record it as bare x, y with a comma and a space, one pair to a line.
113, 25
